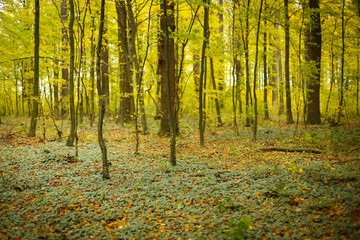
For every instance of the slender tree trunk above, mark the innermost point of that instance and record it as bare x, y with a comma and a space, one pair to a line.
71, 138
313, 86
266, 106
357, 75
217, 105
92, 73
341, 102
102, 96
23, 91
16, 89
332, 77
247, 60
289, 117
255, 73
35, 109
64, 67
202, 72
105, 66
221, 66
56, 89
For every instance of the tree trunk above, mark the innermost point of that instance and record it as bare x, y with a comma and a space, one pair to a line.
105, 67
56, 89
217, 105
289, 117
314, 52
170, 22
102, 96
202, 72
266, 106
71, 138
64, 68
126, 89
255, 73
341, 102
35, 109
92, 73
221, 67
247, 60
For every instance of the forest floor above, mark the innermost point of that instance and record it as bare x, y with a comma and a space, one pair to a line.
229, 189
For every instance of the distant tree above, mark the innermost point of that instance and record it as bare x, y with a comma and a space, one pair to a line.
35, 95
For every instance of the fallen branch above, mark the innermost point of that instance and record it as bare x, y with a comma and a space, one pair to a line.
271, 149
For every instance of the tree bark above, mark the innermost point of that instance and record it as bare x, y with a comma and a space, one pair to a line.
202, 72
289, 117
247, 70
102, 96
341, 102
64, 67
35, 109
126, 89
314, 52
170, 23
266, 106
71, 138
255, 73
92, 73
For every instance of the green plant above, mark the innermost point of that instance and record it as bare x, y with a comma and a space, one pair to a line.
238, 230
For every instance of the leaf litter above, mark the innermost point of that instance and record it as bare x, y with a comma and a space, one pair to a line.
227, 190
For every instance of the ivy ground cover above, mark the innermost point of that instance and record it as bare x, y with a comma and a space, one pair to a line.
227, 190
